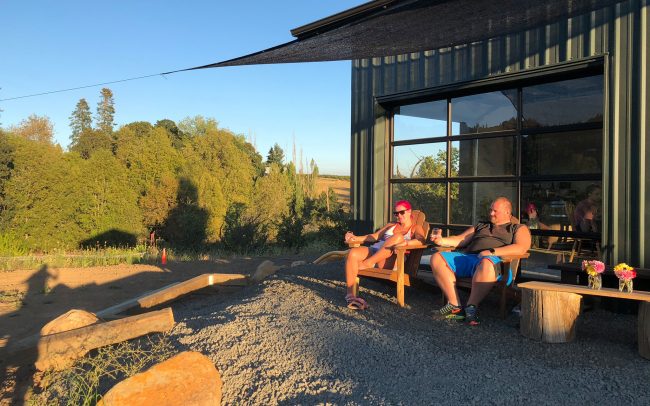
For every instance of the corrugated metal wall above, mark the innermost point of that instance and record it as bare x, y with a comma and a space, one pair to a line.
620, 33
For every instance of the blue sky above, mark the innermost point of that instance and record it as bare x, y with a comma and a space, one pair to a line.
49, 45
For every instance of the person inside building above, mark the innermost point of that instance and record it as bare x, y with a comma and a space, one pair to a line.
482, 245
533, 223
401, 232
586, 212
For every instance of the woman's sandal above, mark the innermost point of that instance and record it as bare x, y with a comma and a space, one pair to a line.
356, 303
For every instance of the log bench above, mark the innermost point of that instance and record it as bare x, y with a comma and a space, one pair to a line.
549, 311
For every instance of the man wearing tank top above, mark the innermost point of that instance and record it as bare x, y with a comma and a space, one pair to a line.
482, 245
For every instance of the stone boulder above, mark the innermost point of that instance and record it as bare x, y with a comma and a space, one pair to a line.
188, 378
71, 320
264, 270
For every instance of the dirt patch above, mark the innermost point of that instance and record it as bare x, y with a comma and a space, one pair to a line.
31, 298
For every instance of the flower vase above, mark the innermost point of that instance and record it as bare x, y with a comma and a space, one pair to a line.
595, 282
625, 285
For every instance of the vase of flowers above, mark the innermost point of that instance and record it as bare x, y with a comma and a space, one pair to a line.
625, 274
594, 270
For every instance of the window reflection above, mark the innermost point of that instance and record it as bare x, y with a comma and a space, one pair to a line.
470, 201
562, 153
420, 161
575, 101
484, 157
495, 111
566, 205
422, 120
427, 197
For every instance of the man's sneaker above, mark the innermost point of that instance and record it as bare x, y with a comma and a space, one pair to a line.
452, 312
471, 315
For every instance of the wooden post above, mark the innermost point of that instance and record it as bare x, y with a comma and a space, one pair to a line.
61, 349
174, 291
549, 316
400, 278
644, 329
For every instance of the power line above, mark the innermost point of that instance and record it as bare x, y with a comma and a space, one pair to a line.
94, 85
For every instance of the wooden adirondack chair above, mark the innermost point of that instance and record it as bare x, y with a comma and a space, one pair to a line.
509, 263
406, 263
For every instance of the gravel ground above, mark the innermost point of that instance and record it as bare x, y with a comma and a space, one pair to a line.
290, 340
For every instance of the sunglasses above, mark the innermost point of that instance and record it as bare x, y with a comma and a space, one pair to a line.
399, 213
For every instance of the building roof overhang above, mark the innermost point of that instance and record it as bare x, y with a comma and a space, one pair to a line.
394, 27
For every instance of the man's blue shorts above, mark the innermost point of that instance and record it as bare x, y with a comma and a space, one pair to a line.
464, 265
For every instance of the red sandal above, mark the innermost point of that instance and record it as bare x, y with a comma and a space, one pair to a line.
356, 303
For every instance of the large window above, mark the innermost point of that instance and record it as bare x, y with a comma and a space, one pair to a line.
539, 145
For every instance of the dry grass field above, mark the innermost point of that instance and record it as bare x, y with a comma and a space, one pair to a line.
340, 186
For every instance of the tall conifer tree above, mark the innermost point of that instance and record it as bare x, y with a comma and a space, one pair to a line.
105, 112
80, 120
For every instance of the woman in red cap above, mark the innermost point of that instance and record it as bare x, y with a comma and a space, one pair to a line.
380, 254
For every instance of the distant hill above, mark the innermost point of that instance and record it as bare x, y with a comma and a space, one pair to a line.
342, 177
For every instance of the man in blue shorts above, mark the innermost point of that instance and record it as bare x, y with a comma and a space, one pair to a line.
482, 245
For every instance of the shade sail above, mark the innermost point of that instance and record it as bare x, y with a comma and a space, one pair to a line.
394, 27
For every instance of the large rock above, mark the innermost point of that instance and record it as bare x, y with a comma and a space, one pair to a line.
264, 270
188, 378
71, 320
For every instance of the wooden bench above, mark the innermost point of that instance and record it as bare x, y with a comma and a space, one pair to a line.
549, 311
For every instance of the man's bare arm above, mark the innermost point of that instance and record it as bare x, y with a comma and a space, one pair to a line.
459, 240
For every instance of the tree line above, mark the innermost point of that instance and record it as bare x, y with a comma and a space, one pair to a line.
191, 183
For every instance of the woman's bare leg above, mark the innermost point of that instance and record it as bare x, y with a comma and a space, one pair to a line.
352, 263
384, 253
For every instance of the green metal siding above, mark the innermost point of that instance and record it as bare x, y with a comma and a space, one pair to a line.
618, 33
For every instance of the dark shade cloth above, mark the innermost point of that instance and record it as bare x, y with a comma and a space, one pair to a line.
388, 28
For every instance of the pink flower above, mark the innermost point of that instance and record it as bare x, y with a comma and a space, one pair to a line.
593, 267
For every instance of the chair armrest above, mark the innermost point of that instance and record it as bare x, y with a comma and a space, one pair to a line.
509, 258
405, 248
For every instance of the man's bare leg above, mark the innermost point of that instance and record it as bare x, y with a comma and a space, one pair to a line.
482, 282
445, 278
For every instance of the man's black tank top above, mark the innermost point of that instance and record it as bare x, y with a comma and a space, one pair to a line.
488, 235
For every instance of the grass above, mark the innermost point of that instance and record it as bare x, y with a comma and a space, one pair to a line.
81, 258
147, 255
93, 375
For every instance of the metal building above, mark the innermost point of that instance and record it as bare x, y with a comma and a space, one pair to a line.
573, 96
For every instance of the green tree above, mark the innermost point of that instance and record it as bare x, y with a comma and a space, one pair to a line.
105, 118
108, 202
40, 196
271, 199
175, 134
90, 141
275, 156
80, 120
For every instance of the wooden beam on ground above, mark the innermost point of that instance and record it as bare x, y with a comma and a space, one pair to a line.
60, 350
174, 291
331, 256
